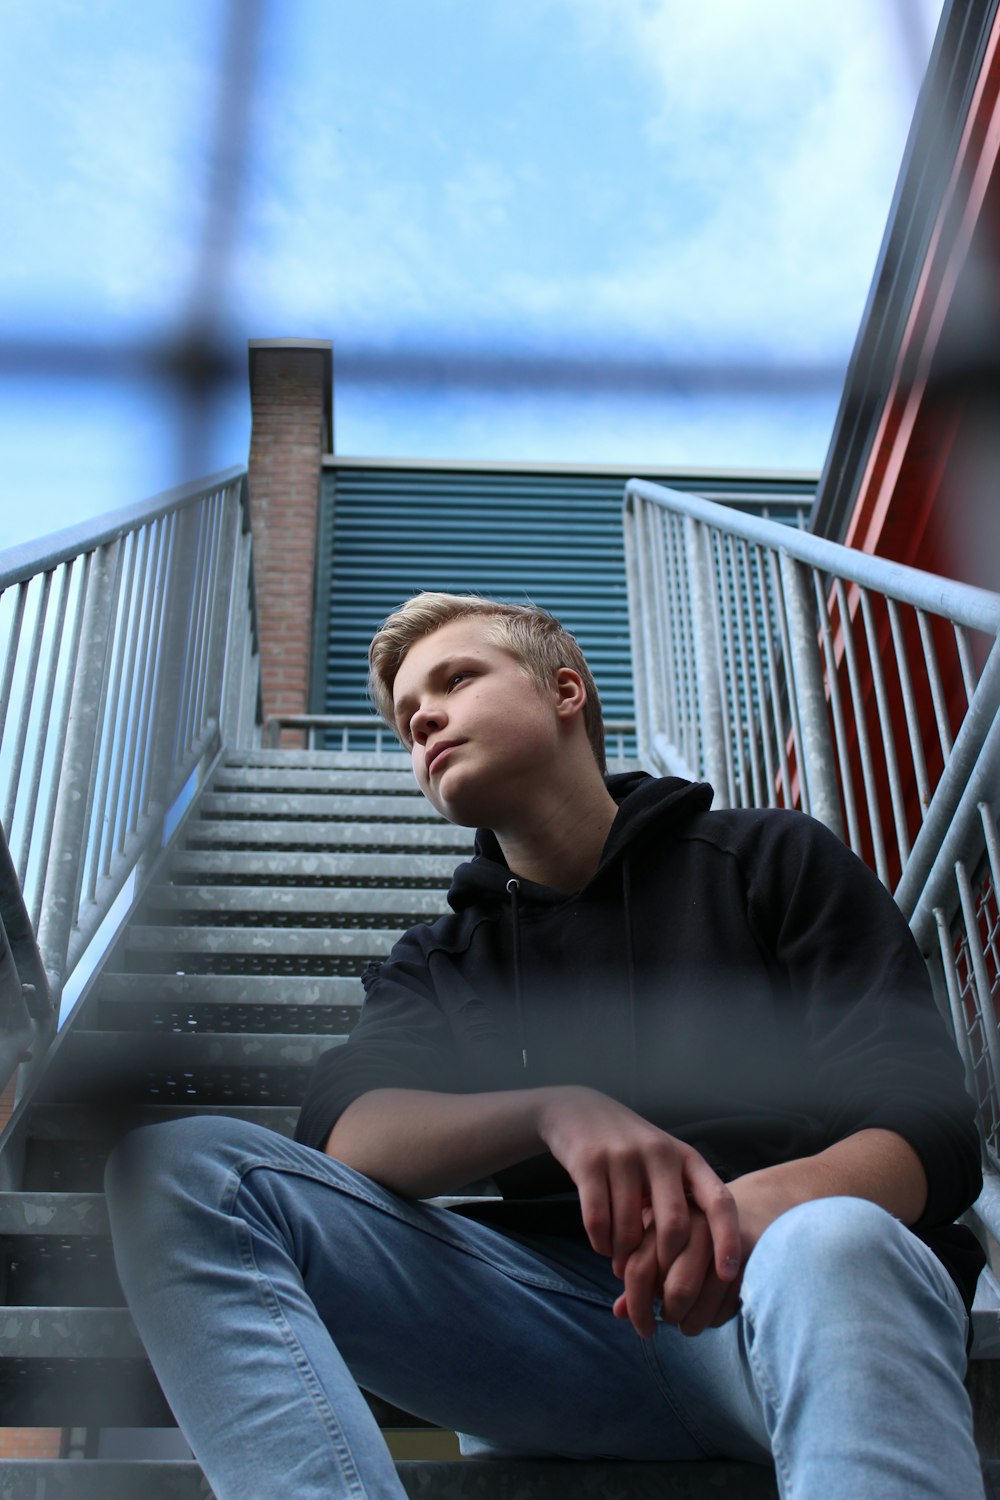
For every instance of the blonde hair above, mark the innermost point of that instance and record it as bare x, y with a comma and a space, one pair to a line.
531, 635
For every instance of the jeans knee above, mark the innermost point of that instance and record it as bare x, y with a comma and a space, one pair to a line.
828, 1244
161, 1169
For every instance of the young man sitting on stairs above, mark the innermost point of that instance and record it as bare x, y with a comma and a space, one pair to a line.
697, 1052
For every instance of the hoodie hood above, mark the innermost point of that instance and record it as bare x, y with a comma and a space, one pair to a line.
645, 804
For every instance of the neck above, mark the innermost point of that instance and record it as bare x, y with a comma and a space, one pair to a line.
560, 843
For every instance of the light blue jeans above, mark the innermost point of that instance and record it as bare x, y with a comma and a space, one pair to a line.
268, 1282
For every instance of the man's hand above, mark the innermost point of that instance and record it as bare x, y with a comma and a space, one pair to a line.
643, 1194
874, 1164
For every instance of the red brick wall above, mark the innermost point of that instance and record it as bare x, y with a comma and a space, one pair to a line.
289, 399
31, 1442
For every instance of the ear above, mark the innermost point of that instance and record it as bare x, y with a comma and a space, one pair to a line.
570, 693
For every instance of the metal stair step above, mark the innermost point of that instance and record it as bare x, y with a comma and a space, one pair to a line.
312, 865
373, 942
30, 1333
339, 906
67, 1145
118, 1070
97, 1479
345, 760
470, 1479
319, 806
369, 836
143, 998
293, 777
53, 1215
73, 1123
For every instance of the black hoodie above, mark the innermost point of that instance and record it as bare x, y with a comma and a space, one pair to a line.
737, 977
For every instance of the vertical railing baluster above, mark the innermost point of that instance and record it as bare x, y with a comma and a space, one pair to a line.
885, 725
774, 613
732, 719
850, 802
10, 661
69, 833
104, 831
935, 684
816, 769
82, 567
864, 743
704, 616
94, 813
27, 702
42, 730
909, 708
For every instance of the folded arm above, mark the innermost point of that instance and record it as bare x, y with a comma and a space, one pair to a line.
629, 1173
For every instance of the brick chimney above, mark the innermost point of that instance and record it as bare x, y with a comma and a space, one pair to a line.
291, 405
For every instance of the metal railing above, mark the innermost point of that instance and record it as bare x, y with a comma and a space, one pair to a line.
363, 732
128, 656
791, 671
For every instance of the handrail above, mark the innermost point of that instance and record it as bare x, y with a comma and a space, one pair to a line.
27, 559
976, 608
127, 653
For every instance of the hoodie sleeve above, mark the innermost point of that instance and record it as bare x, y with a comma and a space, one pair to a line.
402, 1040
883, 1055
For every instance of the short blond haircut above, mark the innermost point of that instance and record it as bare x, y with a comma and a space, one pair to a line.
531, 635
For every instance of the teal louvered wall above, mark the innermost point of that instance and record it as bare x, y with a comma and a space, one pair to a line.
553, 537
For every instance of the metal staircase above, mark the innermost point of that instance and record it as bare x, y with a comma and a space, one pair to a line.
251, 888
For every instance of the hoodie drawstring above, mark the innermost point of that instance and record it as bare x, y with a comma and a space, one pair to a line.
630, 971
513, 887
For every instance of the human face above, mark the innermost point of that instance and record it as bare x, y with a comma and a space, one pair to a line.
478, 729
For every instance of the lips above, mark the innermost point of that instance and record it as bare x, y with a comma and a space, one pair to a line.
436, 752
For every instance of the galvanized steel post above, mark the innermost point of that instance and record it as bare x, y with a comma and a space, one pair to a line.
69, 830
818, 771
708, 665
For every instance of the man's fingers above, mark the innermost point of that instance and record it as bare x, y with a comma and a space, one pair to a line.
626, 1195
719, 1207
595, 1209
685, 1280
719, 1301
641, 1288
671, 1217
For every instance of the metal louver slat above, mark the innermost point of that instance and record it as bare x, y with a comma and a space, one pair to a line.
554, 538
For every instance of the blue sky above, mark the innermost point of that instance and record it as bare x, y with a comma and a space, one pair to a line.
613, 185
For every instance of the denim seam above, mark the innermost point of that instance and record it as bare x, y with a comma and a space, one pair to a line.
313, 1389
425, 1223
680, 1411
770, 1396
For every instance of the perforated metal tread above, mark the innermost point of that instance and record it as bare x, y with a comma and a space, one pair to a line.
336, 809
289, 776
318, 760
314, 866
74, 1124
371, 942
494, 1479
156, 990
211, 833
403, 907
111, 1069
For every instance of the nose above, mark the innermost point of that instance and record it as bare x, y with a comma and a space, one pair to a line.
429, 717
